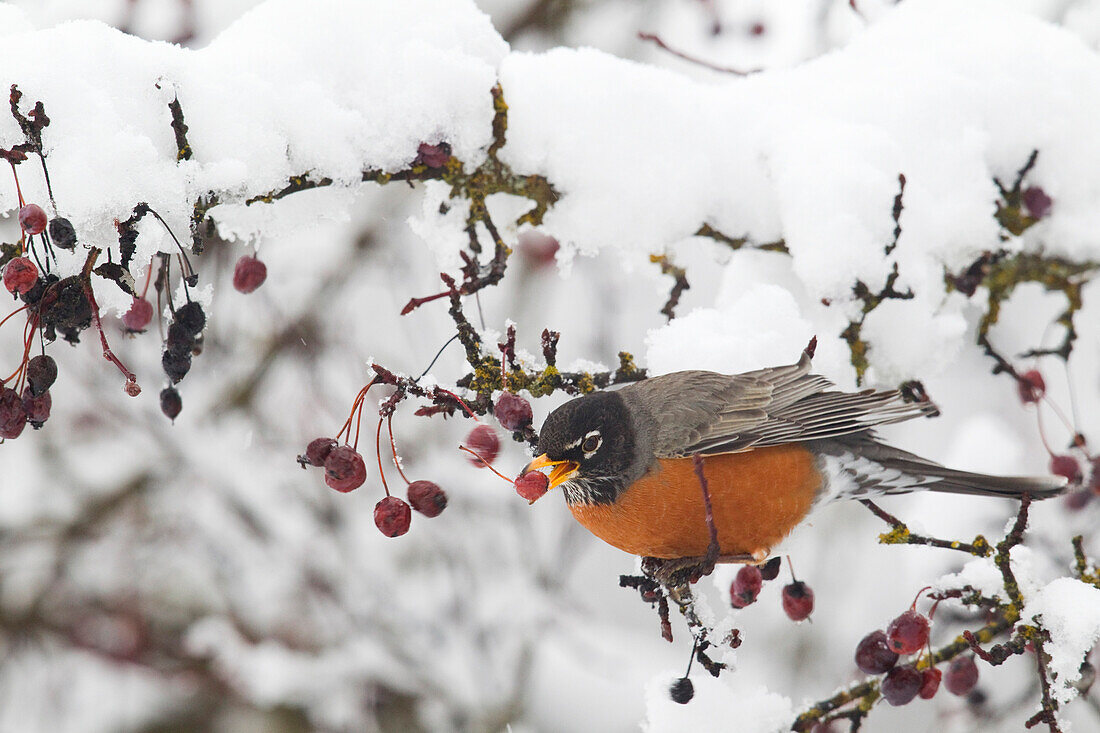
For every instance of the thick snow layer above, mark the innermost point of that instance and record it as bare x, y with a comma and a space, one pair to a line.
1070, 611
327, 88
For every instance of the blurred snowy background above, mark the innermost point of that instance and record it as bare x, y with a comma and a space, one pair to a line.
188, 576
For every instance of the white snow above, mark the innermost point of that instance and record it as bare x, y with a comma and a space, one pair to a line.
1069, 610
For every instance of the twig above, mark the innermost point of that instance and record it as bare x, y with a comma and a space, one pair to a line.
653, 37
902, 535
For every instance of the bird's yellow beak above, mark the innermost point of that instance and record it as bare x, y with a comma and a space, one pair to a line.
563, 470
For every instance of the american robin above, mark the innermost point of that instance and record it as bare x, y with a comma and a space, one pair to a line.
776, 443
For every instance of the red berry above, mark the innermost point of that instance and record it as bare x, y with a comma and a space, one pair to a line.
930, 683
1077, 500
908, 632
902, 684
317, 451
513, 412
874, 655
532, 485
138, 317
1031, 386
33, 219
538, 249
1037, 202
392, 516
37, 407
344, 469
682, 691
20, 275
170, 402
1094, 475
249, 274
798, 600
41, 373
427, 498
13, 416
1066, 466
483, 440
433, 156
962, 675
770, 569
746, 586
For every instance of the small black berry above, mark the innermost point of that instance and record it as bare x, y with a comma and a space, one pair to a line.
41, 373
682, 691
62, 233
176, 366
170, 402
192, 318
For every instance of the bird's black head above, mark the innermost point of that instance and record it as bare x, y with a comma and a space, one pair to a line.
590, 442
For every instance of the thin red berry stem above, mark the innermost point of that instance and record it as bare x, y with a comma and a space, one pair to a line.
913, 606
148, 279
791, 566
459, 401
109, 355
358, 423
378, 452
17, 310
355, 405
393, 449
1042, 432
480, 458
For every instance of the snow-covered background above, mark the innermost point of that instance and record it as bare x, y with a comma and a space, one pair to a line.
189, 576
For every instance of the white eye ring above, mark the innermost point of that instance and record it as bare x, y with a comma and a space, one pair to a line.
595, 440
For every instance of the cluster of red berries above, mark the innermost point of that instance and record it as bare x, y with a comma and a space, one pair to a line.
51, 304
879, 652
798, 598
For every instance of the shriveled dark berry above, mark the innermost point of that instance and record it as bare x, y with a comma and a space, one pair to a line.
180, 340
908, 632
427, 498
20, 275
33, 219
682, 691
746, 586
41, 373
483, 440
13, 417
874, 655
961, 676
532, 485
770, 569
65, 306
930, 682
249, 274
902, 684
62, 233
1037, 202
1067, 466
798, 600
317, 451
433, 156
344, 469
37, 407
176, 366
139, 316
1031, 386
32, 296
512, 412
170, 402
191, 317
392, 516
1094, 475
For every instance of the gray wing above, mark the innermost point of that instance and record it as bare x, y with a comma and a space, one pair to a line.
709, 413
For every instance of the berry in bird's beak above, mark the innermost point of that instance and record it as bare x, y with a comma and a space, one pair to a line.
532, 485
562, 470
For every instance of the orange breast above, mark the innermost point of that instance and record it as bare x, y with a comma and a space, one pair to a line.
758, 497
